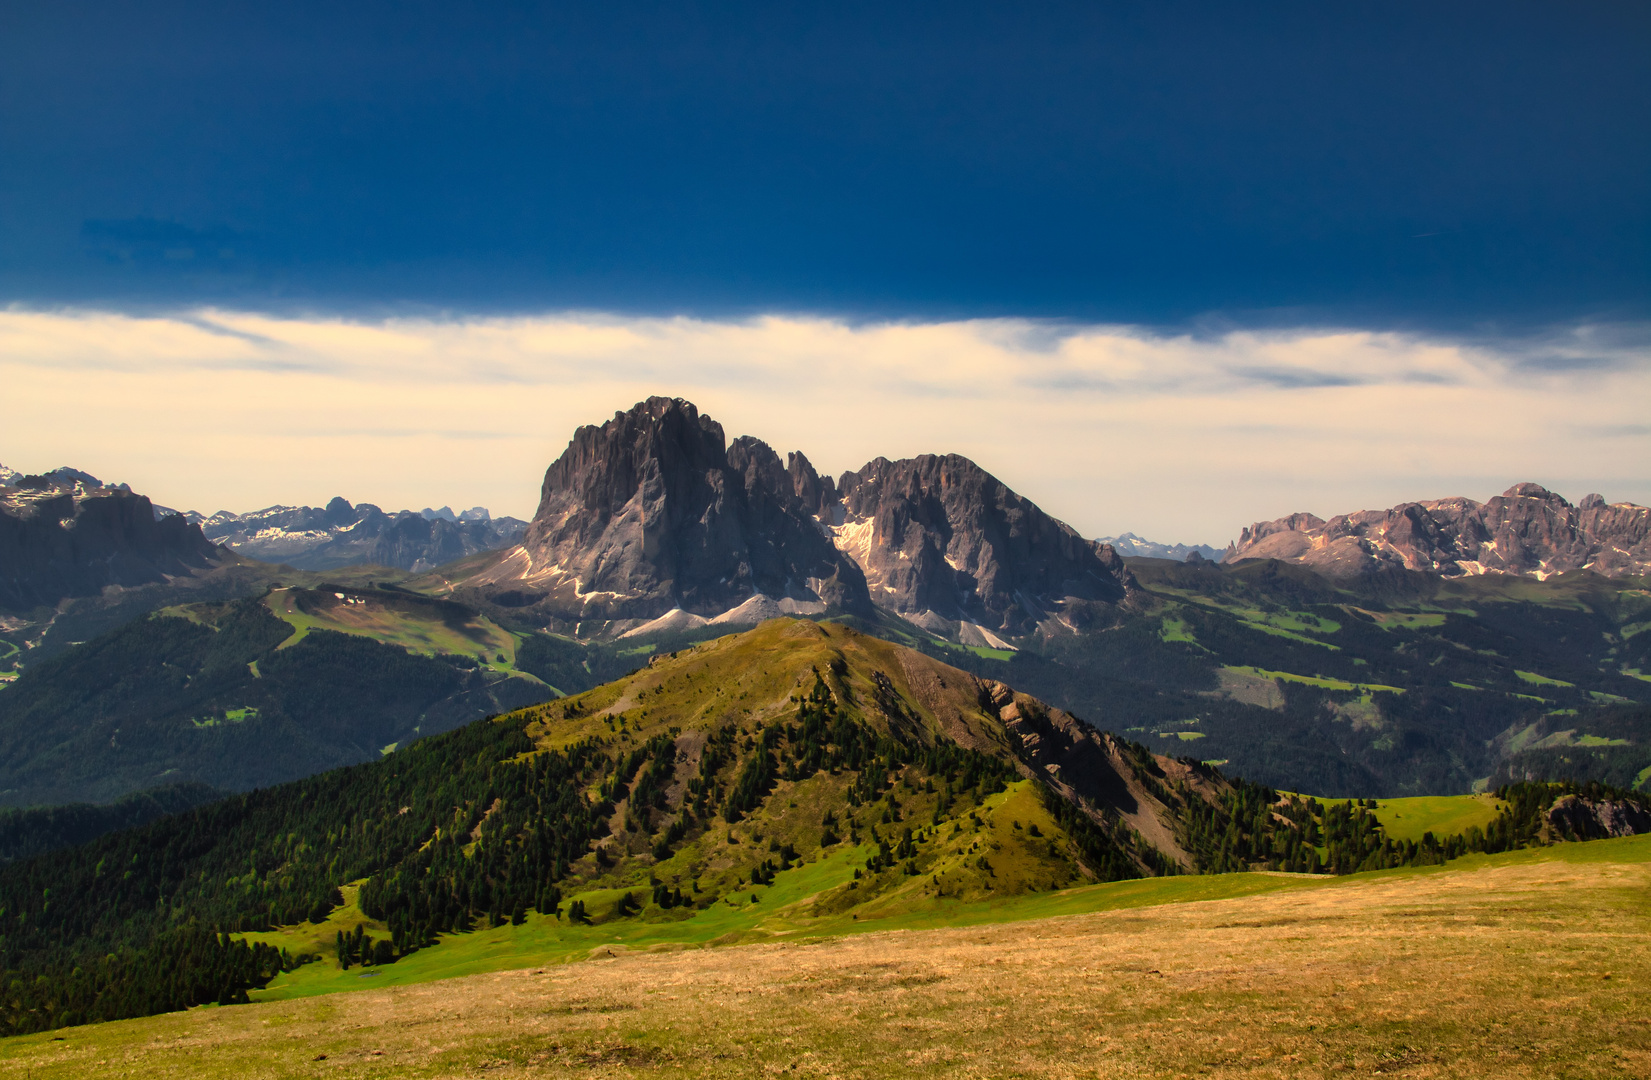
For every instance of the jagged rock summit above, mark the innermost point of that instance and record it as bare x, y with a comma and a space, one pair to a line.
654, 520
654, 511
940, 538
1527, 530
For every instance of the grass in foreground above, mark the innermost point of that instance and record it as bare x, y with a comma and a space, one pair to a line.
1531, 964
777, 915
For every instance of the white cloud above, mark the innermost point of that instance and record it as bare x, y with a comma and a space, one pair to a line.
1179, 437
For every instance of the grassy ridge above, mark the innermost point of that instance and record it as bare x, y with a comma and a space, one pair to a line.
789, 908
779, 915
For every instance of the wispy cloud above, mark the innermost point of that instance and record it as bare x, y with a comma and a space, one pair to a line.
1112, 427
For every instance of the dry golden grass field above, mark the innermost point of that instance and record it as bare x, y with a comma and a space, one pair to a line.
1534, 964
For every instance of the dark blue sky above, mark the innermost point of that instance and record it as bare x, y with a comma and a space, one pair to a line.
1462, 165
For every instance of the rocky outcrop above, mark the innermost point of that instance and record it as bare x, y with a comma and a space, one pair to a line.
941, 538
1576, 818
654, 511
1526, 530
62, 537
315, 538
654, 516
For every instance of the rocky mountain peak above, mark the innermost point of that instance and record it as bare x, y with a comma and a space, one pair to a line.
338, 512
661, 442
653, 515
1526, 530
941, 538
653, 511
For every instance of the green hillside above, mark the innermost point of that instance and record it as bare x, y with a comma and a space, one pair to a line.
1442, 815
800, 774
230, 696
1406, 685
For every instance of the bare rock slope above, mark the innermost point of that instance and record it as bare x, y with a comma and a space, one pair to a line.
655, 516
66, 535
1527, 530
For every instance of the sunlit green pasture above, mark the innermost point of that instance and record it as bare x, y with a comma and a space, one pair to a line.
1311, 680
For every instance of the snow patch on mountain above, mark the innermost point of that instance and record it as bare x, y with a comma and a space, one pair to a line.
1131, 546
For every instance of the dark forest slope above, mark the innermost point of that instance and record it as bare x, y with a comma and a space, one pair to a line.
226, 695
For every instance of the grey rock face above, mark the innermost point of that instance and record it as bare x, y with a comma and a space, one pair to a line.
62, 537
1526, 530
655, 511
942, 535
1597, 819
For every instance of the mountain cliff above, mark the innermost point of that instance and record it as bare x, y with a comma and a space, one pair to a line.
65, 535
656, 516
943, 542
1527, 530
653, 511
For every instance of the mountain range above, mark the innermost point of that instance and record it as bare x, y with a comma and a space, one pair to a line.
1131, 546
949, 698
655, 515
1359, 675
1526, 530
340, 535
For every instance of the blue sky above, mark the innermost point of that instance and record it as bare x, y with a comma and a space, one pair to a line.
1169, 268
1424, 165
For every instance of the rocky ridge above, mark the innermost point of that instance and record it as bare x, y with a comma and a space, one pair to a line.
1131, 546
339, 534
1527, 530
942, 540
654, 521
1579, 818
64, 534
